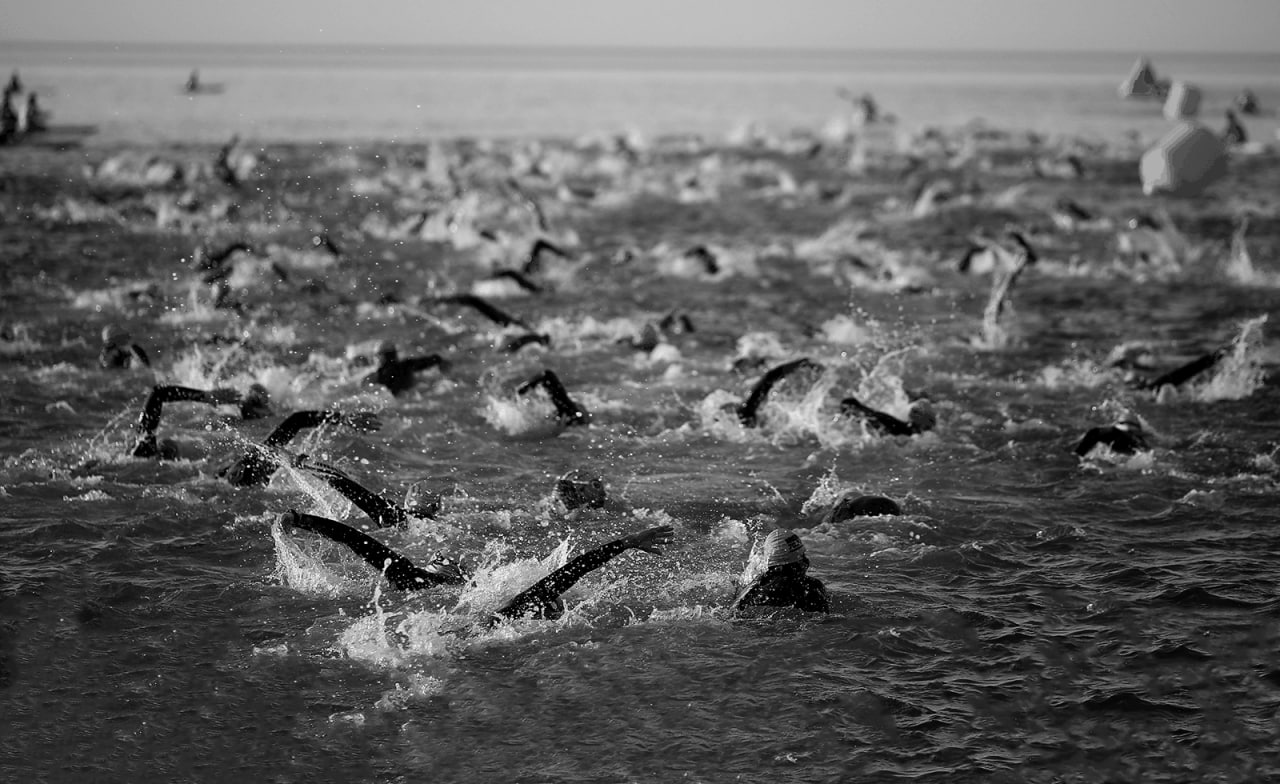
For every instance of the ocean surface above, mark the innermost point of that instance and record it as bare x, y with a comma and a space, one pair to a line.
134, 92
1033, 616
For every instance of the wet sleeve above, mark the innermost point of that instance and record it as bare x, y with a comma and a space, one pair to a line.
296, 422
382, 512
546, 591
400, 571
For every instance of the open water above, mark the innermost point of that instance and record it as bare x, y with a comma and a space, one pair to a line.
134, 92
1032, 617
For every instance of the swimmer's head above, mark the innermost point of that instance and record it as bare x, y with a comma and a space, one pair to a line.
387, 351
256, 403
783, 548
852, 505
580, 487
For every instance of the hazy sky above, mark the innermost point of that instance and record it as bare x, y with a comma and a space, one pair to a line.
1113, 25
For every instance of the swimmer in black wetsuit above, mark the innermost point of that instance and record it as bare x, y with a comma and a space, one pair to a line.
921, 419
256, 465
541, 600
852, 505
1234, 133
119, 350
396, 374
482, 306
785, 582
580, 488
749, 409
1125, 437
1181, 375
146, 444
567, 411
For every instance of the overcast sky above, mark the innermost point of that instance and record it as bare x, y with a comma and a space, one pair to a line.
1111, 25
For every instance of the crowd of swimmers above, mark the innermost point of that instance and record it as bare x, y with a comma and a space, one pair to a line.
777, 574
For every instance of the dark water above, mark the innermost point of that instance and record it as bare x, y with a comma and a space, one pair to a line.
1032, 617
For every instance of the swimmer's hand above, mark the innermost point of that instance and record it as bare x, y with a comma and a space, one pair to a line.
222, 397
366, 421
651, 540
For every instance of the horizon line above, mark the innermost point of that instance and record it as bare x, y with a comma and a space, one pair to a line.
635, 48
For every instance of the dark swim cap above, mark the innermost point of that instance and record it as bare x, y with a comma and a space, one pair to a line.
851, 506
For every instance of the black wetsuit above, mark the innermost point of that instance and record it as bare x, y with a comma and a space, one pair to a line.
1181, 375
400, 571
542, 599
785, 586
256, 466
149, 420
397, 375
568, 412
1122, 438
382, 512
749, 409
879, 421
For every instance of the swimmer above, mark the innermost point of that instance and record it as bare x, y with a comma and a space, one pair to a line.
398, 375
384, 514
119, 350
37, 120
146, 444
512, 345
533, 262
256, 403
921, 418
256, 465
1247, 102
8, 118
784, 582
748, 411
540, 601
494, 314
1234, 134
193, 81
580, 488
851, 505
222, 165
15, 83
402, 573
323, 241
701, 254
567, 411
1125, 437
1181, 375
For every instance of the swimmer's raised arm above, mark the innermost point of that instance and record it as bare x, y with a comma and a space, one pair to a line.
749, 409
569, 412
366, 421
1181, 375
149, 420
382, 512
400, 571
489, 311
542, 599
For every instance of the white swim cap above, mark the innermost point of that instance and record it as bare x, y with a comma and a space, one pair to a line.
783, 547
